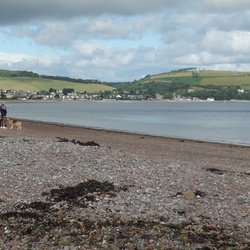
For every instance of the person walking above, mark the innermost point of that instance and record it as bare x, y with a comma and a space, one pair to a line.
3, 116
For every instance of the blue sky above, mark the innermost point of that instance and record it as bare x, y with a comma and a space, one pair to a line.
123, 40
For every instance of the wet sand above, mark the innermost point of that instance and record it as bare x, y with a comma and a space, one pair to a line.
172, 150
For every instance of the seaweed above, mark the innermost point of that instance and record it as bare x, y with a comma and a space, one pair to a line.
216, 171
83, 189
45, 225
88, 143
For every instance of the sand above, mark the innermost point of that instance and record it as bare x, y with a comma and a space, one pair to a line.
174, 150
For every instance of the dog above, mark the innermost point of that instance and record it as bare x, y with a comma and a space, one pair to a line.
14, 123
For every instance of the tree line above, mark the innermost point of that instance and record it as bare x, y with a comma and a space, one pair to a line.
168, 90
9, 73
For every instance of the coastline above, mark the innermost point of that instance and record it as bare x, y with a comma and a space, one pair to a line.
159, 123
176, 150
115, 101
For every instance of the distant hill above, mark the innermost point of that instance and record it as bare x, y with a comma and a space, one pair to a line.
29, 81
193, 83
203, 78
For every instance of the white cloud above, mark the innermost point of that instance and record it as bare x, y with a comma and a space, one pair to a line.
87, 49
126, 59
191, 59
98, 55
240, 42
230, 67
12, 58
27, 62
227, 42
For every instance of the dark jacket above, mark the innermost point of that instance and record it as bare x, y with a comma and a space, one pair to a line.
3, 111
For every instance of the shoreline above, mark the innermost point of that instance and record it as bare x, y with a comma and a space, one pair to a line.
177, 150
166, 126
133, 133
107, 100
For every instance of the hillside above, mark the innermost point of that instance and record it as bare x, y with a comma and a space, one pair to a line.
204, 78
29, 81
190, 83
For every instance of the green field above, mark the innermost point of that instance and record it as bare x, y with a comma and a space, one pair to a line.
226, 81
38, 84
170, 75
205, 77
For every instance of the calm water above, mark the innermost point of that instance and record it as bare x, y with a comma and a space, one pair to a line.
221, 122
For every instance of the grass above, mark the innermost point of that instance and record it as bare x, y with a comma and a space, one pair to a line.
214, 73
38, 84
171, 74
205, 77
233, 80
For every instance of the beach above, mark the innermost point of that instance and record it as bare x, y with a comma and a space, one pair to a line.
179, 151
171, 193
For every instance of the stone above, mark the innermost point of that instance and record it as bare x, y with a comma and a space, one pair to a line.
189, 195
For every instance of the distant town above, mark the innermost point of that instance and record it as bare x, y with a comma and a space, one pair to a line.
72, 95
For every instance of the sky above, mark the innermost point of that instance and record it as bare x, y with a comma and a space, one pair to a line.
123, 40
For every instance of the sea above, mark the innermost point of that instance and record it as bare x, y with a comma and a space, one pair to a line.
224, 122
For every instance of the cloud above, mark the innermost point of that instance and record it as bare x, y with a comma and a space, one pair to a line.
227, 42
61, 33
12, 12
27, 62
99, 56
123, 40
223, 5
12, 57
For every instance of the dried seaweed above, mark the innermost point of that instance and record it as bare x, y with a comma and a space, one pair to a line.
38, 225
88, 144
216, 171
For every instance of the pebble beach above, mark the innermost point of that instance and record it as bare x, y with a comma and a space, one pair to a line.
66, 187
